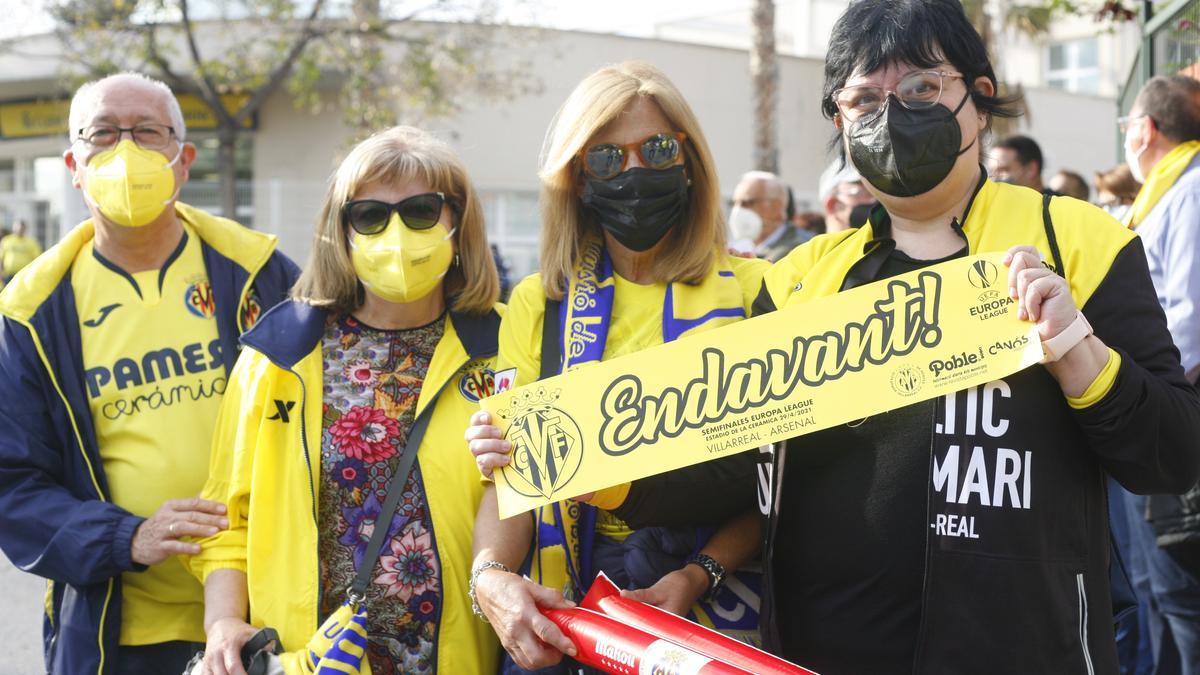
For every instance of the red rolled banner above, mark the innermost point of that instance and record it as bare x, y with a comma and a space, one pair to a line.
605, 598
608, 645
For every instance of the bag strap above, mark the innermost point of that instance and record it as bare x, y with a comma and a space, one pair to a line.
1049, 225
551, 340
358, 590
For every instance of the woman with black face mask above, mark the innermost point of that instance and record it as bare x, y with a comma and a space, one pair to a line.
967, 534
633, 255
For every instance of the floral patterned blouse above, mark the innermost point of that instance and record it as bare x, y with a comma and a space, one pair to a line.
373, 378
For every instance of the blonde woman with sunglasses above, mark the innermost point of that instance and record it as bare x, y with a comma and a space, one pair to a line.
391, 332
633, 255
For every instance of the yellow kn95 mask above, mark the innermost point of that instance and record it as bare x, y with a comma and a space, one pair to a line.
131, 185
401, 264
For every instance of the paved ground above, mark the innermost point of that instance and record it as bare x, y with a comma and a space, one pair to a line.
20, 621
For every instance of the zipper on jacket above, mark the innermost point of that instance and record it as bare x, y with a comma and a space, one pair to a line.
37, 344
1083, 619
312, 489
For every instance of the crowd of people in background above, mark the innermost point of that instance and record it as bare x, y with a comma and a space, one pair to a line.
223, 463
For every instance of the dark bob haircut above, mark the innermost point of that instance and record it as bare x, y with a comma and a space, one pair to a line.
874, 33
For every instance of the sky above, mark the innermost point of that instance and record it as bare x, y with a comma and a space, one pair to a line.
631, 17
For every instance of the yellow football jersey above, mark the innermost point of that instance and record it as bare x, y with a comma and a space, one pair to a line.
154, 377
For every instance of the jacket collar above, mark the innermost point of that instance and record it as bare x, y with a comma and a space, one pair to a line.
877, 243
34, 284
292, 330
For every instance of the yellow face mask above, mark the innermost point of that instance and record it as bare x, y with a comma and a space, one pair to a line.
401, 264
131, 185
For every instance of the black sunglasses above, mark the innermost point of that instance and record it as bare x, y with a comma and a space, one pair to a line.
371, 216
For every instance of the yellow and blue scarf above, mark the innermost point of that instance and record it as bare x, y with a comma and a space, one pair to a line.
339, 647
562, 554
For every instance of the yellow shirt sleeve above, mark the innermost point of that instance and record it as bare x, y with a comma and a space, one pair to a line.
520, 340
1100, 386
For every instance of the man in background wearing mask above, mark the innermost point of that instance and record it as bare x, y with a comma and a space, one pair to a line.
1162, 143
844, 197
1018, 160
17, 250
115, 347
758, 221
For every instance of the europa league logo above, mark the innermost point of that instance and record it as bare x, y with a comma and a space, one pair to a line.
546, 445
982, 274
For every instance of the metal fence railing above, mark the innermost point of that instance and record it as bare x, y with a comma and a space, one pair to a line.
1170, 45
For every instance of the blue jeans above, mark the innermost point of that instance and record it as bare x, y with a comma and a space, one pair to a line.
1133, 635
1168, 580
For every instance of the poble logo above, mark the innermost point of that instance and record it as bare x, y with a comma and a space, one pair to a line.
907, 380
199, 299
547, 446
982, 274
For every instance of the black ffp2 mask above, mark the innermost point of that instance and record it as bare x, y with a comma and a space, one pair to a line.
905, 152
638, 206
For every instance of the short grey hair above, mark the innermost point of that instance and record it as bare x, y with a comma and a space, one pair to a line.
81, 102
774, 183
839, 171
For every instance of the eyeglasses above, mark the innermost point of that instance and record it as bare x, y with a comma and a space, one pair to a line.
148, 136
606, 160
747, 203
1124, 122
371, 216
916, 91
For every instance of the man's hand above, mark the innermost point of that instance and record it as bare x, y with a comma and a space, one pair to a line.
675, 592
158, 537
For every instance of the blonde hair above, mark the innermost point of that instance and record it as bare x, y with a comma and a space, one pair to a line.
397, 155
598, 100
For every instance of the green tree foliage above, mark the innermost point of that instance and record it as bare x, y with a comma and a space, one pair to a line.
380, 62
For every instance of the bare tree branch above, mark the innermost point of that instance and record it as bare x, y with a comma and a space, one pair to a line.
154, 55
280, 73
208, 89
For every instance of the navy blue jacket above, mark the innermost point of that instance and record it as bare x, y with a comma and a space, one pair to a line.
57, 519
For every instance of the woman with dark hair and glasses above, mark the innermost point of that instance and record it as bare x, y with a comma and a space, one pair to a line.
633, 255
967, 534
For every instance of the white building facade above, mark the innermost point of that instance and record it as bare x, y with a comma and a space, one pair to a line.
285, 160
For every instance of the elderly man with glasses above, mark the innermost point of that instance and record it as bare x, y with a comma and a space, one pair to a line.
115, 347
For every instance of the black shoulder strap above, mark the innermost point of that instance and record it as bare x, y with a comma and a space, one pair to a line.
358, 590
1049, 225
551, 340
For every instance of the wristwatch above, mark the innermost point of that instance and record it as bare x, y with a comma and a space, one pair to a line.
714, 569
1057, 347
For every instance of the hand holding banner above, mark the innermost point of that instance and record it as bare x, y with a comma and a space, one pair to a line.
801, 369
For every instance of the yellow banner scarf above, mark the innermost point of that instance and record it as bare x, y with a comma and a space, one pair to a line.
801, 369
1161, 178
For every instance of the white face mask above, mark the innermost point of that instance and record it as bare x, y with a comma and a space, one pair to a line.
1132, 159
744, 224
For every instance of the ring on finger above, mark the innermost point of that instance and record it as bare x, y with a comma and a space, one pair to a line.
171, 528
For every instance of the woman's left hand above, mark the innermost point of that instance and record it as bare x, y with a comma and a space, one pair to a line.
676, 592
1042, 296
